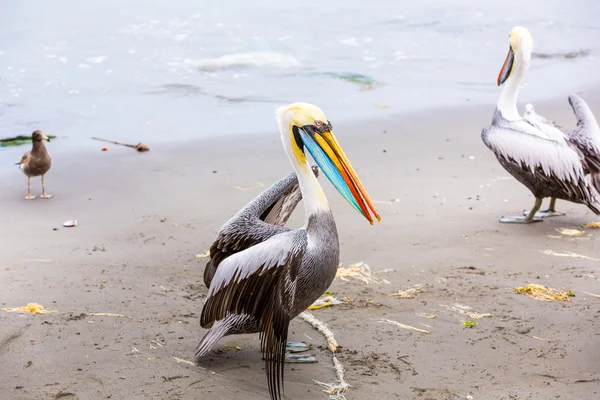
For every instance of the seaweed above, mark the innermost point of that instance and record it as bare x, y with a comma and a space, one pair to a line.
18, 140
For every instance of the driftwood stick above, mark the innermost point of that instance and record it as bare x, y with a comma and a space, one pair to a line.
139, 147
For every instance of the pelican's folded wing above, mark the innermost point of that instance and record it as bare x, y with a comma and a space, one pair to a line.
587, 134
259, 220
260, 283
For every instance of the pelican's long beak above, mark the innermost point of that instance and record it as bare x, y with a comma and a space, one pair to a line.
330, 157
506, 67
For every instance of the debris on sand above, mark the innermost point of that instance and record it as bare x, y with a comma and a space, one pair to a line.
465, 310
324, 301
359, 271
103, 314
469, 324
592, 225
570, 232
335, 390
140, 147
409, 293
322, 328
544, 293
257, 186
425, 315
592, 294
31, 308
70, 224
542, 339
203, 255
181, 360
569, 254
392, 322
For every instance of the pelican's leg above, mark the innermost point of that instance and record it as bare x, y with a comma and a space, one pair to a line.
29, 196
527, 219
44, 195
550, 212
296, 353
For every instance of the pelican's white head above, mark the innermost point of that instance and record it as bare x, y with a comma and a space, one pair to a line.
304, 126
519, 53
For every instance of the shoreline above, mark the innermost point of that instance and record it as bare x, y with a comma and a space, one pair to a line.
440, 192
64, 145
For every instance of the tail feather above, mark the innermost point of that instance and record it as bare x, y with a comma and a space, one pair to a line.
219, 329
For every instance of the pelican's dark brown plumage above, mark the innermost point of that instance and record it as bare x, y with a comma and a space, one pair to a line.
36, 162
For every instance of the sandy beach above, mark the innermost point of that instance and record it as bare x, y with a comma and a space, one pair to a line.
143, 218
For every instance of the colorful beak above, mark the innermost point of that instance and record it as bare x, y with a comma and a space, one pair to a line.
46, 138
330, 157
506, 67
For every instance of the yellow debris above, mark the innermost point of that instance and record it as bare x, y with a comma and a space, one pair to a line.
544, 293
203, 255
425, 315
408, 293
32, 308
327, 304
570, 232
592, 225
360, 271
542, 339
181, 360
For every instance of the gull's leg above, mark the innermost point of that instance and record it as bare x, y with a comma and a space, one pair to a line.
525, 220
29, 196
550, 212
44, 195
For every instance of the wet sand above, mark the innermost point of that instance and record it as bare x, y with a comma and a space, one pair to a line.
144, 217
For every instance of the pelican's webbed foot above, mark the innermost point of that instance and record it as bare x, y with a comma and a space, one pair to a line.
550, 212
296, 353
546, 213
519, 220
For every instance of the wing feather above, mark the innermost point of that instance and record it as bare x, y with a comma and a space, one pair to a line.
587, 134
260, 282
259, 220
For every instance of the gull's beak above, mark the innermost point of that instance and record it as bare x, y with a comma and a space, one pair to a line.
46, 138
330, 157
506, 67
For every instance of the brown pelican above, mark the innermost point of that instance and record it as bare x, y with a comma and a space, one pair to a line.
261, 274
547, 161
36, 162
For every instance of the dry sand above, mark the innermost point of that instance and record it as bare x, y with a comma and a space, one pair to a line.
144, 217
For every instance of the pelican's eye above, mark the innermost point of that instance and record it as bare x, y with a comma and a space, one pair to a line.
318, 124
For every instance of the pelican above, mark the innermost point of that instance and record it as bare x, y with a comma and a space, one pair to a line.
261, 274
548, 161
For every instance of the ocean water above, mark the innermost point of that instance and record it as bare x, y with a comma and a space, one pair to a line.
171, 71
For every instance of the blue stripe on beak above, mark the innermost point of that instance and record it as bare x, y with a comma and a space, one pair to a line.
329, 168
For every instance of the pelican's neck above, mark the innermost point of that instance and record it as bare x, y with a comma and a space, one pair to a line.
313, 195
507, 103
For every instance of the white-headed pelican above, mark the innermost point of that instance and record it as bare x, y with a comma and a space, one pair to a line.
262, 275
548, 161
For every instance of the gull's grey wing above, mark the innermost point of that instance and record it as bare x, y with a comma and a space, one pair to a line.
259, 283
259, 220
586, 137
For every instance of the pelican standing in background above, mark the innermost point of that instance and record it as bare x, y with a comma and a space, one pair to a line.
549, 162
262, 275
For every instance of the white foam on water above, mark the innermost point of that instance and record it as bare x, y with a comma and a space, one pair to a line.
95, 60
251, 59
